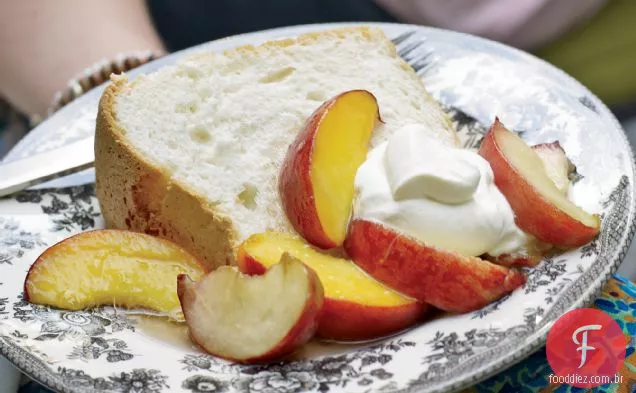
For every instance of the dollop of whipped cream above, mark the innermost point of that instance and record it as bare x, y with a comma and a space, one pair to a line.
439, 194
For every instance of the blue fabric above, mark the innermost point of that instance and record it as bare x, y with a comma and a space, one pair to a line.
619, 301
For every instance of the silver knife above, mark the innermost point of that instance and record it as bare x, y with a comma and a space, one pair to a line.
39, 168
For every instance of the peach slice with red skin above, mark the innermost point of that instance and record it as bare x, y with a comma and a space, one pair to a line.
444, 279
558, 167
252, 319
316, 183
356, 308
541, 208
110, 267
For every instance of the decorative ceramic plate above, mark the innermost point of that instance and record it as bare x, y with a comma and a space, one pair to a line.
108, 350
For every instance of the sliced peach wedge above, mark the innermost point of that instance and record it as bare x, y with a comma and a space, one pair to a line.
110, 267
316, 183
541, 208
253, 319
445, 279
357, 307
558, 167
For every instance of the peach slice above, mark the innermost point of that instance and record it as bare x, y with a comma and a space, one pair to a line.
110, 267
557, 165
253, 319
444, 279
540, 208
357, 307
316, 181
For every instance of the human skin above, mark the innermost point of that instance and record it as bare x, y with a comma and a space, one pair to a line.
46, 43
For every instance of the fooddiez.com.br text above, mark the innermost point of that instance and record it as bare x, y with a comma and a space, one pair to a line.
571, 379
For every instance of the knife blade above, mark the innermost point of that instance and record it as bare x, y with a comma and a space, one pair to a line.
39, 168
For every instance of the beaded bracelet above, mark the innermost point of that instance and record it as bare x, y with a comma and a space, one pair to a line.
94, 76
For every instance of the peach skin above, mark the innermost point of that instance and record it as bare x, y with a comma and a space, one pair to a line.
444, 279
356, 308
317, 177
541, 208
558, 167
252, 319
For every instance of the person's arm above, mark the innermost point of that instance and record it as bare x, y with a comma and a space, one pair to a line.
526, 24
43, 44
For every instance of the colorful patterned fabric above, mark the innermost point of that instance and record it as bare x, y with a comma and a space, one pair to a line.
619, 301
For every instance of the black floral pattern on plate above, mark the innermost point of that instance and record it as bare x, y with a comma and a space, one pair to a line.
544, 274
204, 384
72, 208
80, 381
19, 335
136, 381
490, 308
588, 103
451, 349
590, 249
114, 350
140, 381
363, 368
469, 128
14, 241
60, 325
202, 362
3, 306
553, 292
277, 382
